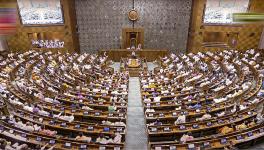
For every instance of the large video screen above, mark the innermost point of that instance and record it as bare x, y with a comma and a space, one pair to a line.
37, 12
220, 11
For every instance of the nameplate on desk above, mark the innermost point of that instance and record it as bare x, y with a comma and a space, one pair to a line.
119, 129
174, 114
121, 115
52, 142
73, 110
239, 137
67, 145
161, 115
24, 135
90, 102
220, 121
157, 104
97, 113
182, 127
83, 146
209, 108
206, 144
195, 126
150, 115
85, 113
116, 148
148, 104
249, 134
110, 115
102, 148
191, 147
166, 129
106, 129
38, 138
154, 129
63, 124
52, 122
90, 128
77, 126
101, 103
231, 119
22, 114
166, 94
123, 104
103, 94
173, 147
209, 124
223, 141
158, 148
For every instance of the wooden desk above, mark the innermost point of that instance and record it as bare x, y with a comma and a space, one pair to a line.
149, 54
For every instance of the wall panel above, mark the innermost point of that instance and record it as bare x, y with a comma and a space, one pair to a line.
165, 23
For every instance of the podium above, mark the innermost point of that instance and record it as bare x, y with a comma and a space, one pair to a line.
134, 65
148, 54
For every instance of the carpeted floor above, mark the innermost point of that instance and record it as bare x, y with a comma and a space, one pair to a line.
136, 136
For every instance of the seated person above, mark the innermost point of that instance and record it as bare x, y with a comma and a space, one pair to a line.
15, 146
196, 106
117, 138
101, 139
47, 132
157, 122
180, 119
111, 109
84, 138
225, 130
205, 117
139, 47
241, 126
65, 117
44, 147
186, 137
36, 109
133, 55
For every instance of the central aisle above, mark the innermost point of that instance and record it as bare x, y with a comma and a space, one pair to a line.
136, 136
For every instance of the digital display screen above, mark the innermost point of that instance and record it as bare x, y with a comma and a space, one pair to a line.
37, 12
220, 11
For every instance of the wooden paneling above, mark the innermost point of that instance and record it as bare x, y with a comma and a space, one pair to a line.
126, 36
149, 54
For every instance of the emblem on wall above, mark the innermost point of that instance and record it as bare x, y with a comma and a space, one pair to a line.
133, 15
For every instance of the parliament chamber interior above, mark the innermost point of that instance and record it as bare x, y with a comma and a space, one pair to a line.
131, 74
